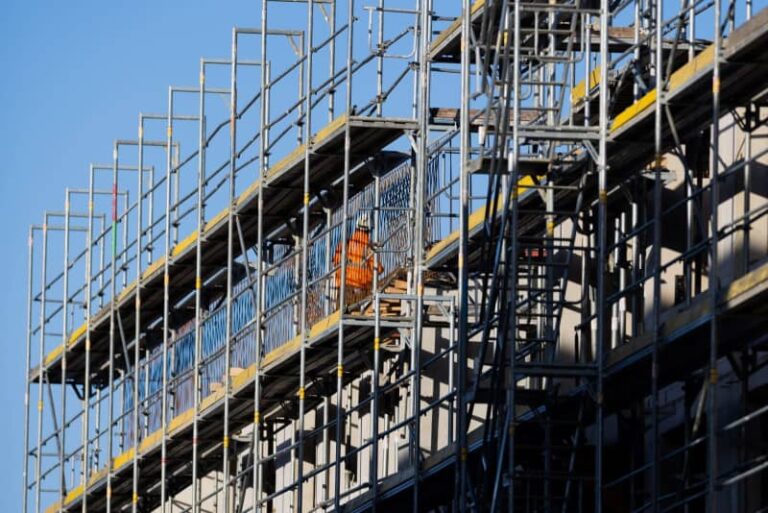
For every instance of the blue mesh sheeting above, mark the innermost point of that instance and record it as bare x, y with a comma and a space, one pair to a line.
183, 353
281, 302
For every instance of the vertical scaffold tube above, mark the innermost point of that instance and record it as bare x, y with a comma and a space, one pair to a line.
418, 245
374, 411
514, 162
344, 249
602, 230
714, 282
27, 362
230, 263
166, 304
64, 331
305, 253
380, 61
41, 371
87, 371
112, 327
657, 255
198, 287
463, 285
137, 314
332, 61
263, 167
747, 176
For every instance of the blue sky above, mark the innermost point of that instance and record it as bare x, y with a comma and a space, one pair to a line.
75, 76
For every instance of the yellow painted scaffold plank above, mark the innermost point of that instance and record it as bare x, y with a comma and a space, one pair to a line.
122, 459
455, 25
244, 378
679, 78
53, 508
184, 244
150, 441
73, 495
55, 353
211, 399
580, 91
181, 420
153, 268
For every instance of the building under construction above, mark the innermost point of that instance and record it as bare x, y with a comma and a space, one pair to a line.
405, 255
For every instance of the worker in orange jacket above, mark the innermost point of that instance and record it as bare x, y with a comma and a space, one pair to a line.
360, 266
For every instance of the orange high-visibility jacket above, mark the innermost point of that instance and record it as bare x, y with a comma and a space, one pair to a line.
359, 260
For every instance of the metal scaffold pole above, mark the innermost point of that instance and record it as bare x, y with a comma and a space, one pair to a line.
308, 91
658, 7
263, 167
166, 304
714, 281
112, 327
135, 491
230, 263
338, 465
41, 367
27, 361
513, 251
64, 331
85, 465
418, 248
198, 289
463, 279
602, 241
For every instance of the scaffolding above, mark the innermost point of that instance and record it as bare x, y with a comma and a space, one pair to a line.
502, 255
